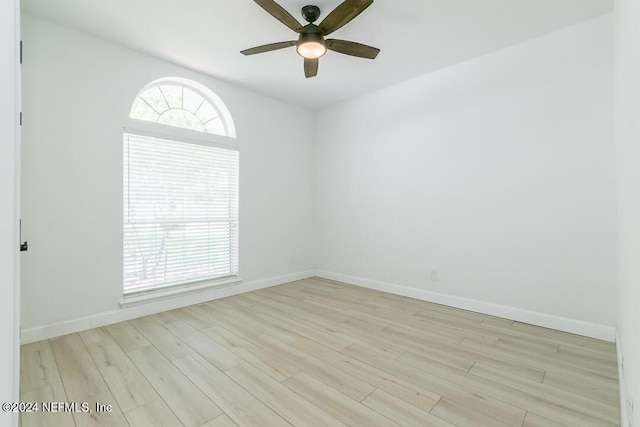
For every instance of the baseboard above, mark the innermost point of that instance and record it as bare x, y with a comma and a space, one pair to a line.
565, 324
624, 415
128, 313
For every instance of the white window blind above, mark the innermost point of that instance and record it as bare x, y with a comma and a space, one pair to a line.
180, 213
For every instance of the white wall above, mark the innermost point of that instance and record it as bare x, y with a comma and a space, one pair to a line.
498, 172
9, 288
627, 91
77, 94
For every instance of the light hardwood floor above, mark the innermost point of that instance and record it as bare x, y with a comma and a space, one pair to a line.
316, 352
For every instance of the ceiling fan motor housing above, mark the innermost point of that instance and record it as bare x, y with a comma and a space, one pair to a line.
311, 13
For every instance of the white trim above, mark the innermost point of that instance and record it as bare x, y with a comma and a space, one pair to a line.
624, 415
160, 131
565, 324
174, 291
560, 323
115, 316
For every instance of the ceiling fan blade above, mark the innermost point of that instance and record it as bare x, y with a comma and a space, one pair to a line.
310, 67
278, 12
342, 14
352, 48
267, 47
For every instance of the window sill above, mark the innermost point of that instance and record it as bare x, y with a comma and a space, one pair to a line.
174, 292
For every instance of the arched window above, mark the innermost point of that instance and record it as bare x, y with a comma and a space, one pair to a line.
180, 190
184, 104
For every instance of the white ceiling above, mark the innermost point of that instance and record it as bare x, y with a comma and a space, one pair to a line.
416, 37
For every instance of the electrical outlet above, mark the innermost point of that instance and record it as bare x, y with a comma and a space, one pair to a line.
434, 275
630, 411
292, 260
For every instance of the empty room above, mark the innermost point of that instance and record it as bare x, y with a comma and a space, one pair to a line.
329, 213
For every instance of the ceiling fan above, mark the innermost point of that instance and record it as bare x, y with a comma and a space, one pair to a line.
311, 43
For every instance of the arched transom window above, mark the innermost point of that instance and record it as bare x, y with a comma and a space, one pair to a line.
180, 190
184, 104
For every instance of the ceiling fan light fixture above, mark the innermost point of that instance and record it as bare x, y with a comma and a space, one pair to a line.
311, 46
311, 50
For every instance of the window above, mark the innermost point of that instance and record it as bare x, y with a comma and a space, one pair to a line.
180, 189
183, 104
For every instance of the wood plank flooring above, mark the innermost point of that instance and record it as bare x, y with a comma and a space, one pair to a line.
321, 353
